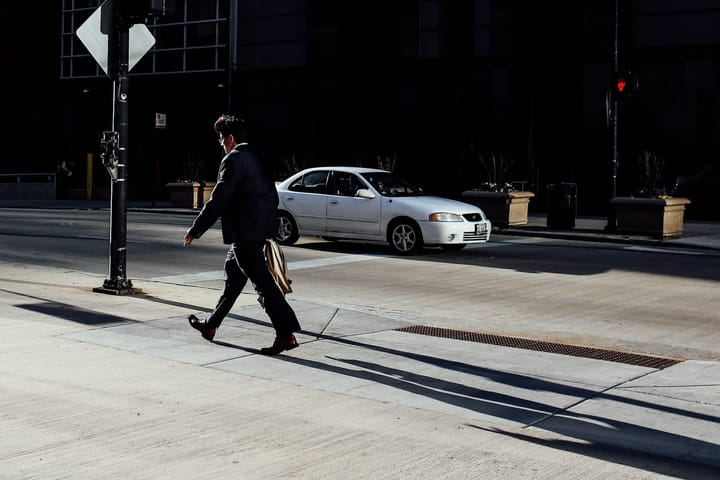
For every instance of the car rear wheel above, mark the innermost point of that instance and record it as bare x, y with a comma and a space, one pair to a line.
404, 237
287, 229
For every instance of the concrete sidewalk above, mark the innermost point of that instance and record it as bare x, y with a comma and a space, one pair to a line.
120, 387
696, 234
101, 386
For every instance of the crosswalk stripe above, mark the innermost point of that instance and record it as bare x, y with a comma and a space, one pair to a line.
218, 275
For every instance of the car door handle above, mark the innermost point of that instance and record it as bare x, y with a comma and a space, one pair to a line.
333, 202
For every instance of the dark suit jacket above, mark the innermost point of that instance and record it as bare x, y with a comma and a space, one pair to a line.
244, 198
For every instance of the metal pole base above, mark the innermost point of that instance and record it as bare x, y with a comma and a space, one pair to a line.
117, 287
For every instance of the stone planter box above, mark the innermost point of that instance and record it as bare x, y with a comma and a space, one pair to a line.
656, 217
502, 208
189, 194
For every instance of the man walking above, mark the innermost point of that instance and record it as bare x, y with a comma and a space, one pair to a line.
245, 200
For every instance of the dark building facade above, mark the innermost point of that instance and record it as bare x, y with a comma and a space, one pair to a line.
432, 84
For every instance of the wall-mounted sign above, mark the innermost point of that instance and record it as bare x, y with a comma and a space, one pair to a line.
160, 120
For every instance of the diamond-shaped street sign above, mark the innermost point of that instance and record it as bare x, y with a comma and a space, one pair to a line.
139, 37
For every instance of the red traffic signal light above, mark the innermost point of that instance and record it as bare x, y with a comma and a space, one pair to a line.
621, 84
625, 84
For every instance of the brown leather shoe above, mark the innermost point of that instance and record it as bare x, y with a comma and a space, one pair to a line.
280, 345
207, 332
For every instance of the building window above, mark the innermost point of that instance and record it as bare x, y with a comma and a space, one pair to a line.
194, 38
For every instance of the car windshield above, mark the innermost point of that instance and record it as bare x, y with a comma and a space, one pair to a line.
390, 185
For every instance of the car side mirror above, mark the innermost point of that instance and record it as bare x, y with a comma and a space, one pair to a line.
364, 193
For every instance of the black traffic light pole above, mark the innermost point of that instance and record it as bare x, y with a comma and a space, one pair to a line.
115, 157
614, 104
616, 68
117, 17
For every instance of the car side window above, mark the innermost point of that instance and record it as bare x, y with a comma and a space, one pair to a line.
345, 184
390, 185
312, 182
381, 183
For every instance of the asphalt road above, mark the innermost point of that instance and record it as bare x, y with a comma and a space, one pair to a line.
517, 286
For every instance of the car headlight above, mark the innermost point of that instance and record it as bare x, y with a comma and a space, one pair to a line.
445, 217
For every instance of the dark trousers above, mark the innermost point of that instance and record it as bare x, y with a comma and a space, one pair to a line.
247, 261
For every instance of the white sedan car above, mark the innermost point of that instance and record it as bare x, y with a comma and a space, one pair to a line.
373, 205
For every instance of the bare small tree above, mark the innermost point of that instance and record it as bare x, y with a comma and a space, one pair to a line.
496, 168
651, 172
387, 162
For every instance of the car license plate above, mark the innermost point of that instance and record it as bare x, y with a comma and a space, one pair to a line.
479, 229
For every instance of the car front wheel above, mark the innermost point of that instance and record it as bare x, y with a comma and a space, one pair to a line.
404, 237
287, 229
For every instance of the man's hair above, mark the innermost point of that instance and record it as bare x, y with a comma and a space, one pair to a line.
228, 124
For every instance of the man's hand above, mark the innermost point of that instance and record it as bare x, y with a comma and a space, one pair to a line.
188, 240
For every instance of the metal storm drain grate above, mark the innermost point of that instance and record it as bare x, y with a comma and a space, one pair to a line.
563, 349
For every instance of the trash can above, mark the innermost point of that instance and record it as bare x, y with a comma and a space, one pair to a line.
562, 205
